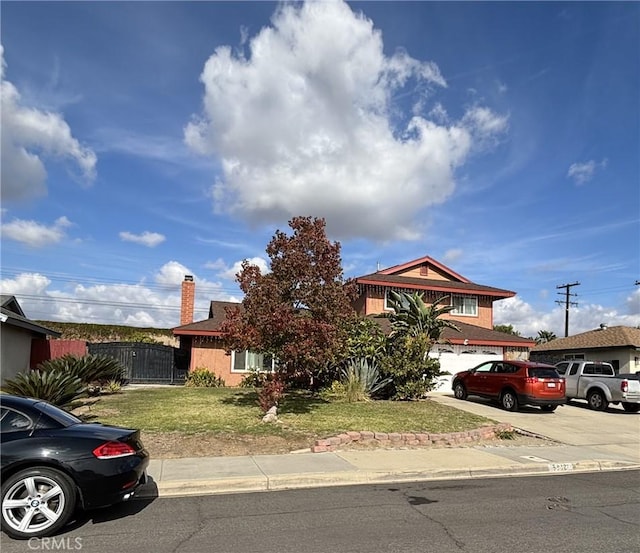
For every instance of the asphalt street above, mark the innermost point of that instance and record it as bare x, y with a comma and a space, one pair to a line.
561, 514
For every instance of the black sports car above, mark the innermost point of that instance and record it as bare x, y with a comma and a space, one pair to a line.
53, 462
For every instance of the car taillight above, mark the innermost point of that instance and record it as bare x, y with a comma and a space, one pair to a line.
110, 450
624, 386
531, 379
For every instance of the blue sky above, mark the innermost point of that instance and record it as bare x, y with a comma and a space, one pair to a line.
143, 141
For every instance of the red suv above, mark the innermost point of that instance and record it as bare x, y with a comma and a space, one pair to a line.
513, 383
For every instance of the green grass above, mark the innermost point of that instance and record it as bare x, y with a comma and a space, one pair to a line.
232, 410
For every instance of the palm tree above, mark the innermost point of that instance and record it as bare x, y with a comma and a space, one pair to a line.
545, 336
412, 316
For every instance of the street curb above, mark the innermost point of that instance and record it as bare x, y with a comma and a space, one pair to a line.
349, 478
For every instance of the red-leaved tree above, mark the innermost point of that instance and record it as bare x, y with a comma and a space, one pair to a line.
294, 312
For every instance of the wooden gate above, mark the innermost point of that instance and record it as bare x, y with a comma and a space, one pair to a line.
147, 363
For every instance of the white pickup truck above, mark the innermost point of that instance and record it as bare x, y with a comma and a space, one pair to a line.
598, 383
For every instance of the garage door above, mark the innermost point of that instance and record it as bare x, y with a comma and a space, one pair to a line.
457, 362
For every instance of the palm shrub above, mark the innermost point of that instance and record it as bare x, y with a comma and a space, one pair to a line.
60, 388
94, 370
361, 380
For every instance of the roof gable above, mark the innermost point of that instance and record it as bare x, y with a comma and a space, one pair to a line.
13, 315
425, 274
429, 263
10, 303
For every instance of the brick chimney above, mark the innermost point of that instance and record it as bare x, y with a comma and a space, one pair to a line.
187, 301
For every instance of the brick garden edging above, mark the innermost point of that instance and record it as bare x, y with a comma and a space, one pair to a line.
396, 439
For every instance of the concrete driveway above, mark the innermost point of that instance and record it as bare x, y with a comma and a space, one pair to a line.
611, 431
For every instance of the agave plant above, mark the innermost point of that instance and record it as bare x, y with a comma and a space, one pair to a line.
56, 387
361, 380
88, 368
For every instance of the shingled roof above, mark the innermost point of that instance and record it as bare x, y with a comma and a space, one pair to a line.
444, 286
612, 337
210, 326
472, 334
13, 315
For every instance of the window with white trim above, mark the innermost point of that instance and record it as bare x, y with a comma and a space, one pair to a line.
246, 361
465, 305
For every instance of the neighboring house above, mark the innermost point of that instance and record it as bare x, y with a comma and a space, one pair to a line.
619, 345
17, 336
477, 341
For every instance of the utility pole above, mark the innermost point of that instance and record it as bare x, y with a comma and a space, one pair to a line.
567, 303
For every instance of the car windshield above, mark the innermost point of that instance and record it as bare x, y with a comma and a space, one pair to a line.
59, 415
543, 372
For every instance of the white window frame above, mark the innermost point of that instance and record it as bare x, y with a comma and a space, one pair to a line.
249, 366
464, 305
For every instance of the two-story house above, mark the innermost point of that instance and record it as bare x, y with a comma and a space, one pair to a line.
476, 342
473, 312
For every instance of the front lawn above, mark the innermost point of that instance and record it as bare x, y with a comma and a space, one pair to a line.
235, 411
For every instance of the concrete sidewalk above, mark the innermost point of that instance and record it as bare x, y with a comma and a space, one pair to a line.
212, 475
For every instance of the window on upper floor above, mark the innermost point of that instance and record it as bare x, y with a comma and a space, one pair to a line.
465, 305
387, 305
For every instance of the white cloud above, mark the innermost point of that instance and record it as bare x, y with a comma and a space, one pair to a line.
149, 239
309, 123
484, 124
584, 172
229, 273
25, 283
28, 134
439, 114
143, 305
172, 273
528, 321
34, 234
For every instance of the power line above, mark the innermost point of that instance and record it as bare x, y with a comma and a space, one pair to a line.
567, 303
63, 277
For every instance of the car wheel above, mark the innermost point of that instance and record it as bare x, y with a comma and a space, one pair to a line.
459, 391
36, 502
509, 401
548, 408
631, 407
597, 401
